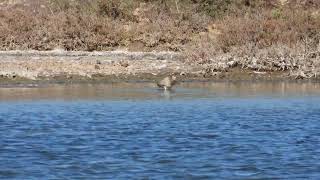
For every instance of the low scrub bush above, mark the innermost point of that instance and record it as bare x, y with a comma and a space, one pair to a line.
201, 28
283, 38
97, 25
276, 26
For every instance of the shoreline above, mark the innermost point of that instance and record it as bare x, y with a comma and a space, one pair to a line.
147, 91
26, 83
58, 66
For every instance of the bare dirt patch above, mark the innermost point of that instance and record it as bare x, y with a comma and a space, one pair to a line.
70, 67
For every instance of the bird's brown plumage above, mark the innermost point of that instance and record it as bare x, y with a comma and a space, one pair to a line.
167, 82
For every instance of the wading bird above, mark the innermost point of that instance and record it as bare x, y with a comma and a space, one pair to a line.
167, 83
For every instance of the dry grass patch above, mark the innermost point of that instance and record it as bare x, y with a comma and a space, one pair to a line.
97, 25
272, 40
258, 34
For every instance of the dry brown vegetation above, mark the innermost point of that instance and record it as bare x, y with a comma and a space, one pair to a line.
269, 37
266, 35
97, 25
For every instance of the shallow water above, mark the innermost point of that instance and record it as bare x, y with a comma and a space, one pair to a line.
134, 131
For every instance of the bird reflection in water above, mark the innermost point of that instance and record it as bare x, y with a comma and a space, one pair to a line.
167, 94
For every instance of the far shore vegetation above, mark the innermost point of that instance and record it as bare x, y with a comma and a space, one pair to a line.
263, 35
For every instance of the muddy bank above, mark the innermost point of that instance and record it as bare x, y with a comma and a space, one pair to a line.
58, 64
119, 66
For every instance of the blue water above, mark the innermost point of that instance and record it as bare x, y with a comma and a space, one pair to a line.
264, 137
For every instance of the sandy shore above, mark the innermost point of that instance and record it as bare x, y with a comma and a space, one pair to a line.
115, 66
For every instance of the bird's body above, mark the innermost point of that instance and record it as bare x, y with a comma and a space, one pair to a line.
167, 82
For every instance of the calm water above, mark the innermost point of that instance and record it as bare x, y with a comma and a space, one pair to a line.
200, 131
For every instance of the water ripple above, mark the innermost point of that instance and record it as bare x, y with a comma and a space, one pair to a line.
235, 138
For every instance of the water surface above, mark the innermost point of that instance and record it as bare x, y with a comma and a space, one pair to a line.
135, 131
